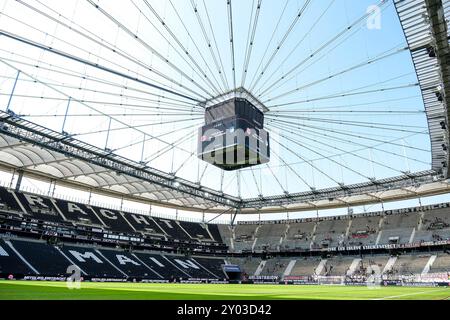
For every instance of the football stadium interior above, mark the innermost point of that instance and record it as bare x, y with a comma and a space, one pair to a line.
207, 149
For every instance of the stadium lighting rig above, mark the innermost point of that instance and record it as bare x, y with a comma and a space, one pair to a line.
233, 136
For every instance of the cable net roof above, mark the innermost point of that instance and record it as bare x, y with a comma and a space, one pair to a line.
345, 106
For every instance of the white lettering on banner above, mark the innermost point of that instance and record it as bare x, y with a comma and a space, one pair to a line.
72, 207
123, 260
83, 256
167, 222
3, 253
140, 219
108, 214
159, 264
35, 200
186, 264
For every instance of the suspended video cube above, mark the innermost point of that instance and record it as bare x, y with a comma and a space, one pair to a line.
233, 136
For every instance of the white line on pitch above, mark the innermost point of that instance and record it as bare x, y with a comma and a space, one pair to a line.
408, 294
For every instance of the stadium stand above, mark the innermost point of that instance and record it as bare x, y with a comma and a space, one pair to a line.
35, 257
330, 233
43, 236
11, 263
214, 265
363, 230
248, 265
404, 226
78, 213
271, 238
275, 267
305, 267
442, 263
8, 202
299, 236
45, 258
41, 208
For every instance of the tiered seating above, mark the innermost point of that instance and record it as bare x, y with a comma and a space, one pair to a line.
244, 237
399, 226
145, 224
442, 263
330, 233
226, 234
196, 230
113, 219
78, 213
363, 230
71, 213
43, 257
269, 236
160, 265
8, 202
189, 267
41, 208
173, 229
214, 230
299, 236
245, 232
91, 262
10, 263
305, 267
337, 266
411, 264
214, 265
275, 267
248, 265
129, 264
435, 226
374, 262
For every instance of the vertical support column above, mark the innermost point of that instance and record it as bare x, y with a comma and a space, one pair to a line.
12, 178
50, 187
19, 180
54, 188
90, 196
12, 92
143, 148
65, 115
234, 216
107, 134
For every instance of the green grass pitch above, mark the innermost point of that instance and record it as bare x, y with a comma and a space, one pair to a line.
28, 290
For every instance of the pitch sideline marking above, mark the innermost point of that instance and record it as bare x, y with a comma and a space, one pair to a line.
408, 294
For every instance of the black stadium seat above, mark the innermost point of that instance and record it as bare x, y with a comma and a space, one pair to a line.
10, 263
160, 265
91, 262
78, 212
9, 202
144, 224
43, 257
130, 264
214, 230
190, 267
113, 219
41, 208
173, 229
196, 230
213, 265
